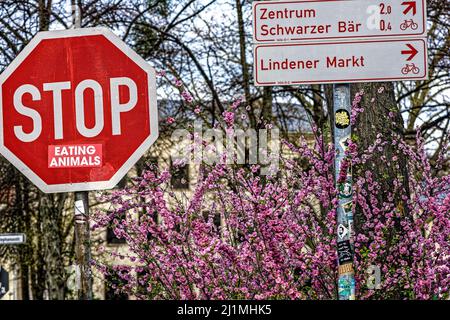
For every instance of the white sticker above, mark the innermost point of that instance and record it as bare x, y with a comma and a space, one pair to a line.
344, 143
78, 276
79, 207
342, 231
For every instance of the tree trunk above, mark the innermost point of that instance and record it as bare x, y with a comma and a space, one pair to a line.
381, 116
242, 51
24, 251
51, 207
38, 271
378, 102
45, 8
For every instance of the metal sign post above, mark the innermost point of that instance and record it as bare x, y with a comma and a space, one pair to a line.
82, 246
342, 132
83, 272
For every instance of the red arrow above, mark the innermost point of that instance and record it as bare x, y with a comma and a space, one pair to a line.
410, 5
412, 52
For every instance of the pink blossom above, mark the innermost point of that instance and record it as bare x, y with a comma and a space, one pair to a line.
170, 120
237, 235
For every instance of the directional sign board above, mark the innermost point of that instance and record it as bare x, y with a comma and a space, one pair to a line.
12, 238
337, 19
340, 62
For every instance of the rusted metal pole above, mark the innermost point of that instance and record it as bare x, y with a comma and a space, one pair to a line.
82, 246
82, 233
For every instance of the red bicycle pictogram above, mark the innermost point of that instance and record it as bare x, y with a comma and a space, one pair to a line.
410, 68
409, 24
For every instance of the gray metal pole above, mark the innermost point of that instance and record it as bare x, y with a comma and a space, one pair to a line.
82, 232
82, 246
342, 132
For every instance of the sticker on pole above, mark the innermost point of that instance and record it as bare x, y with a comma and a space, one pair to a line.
345, 253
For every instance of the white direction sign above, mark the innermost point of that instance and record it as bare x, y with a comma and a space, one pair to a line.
12, 238
337, 19
340, 62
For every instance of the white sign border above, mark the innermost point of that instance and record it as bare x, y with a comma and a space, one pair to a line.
153, 112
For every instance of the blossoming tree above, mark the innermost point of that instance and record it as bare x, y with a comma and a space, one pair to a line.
240, 235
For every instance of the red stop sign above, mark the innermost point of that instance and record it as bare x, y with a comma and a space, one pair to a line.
78, 109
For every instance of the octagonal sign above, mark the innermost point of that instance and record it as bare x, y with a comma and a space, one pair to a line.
77, 110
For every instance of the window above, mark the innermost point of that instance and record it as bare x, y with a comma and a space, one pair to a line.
112, 282
180, 176
151, 163
204, 169
111, 237
149, 219
142, 278
239, 237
